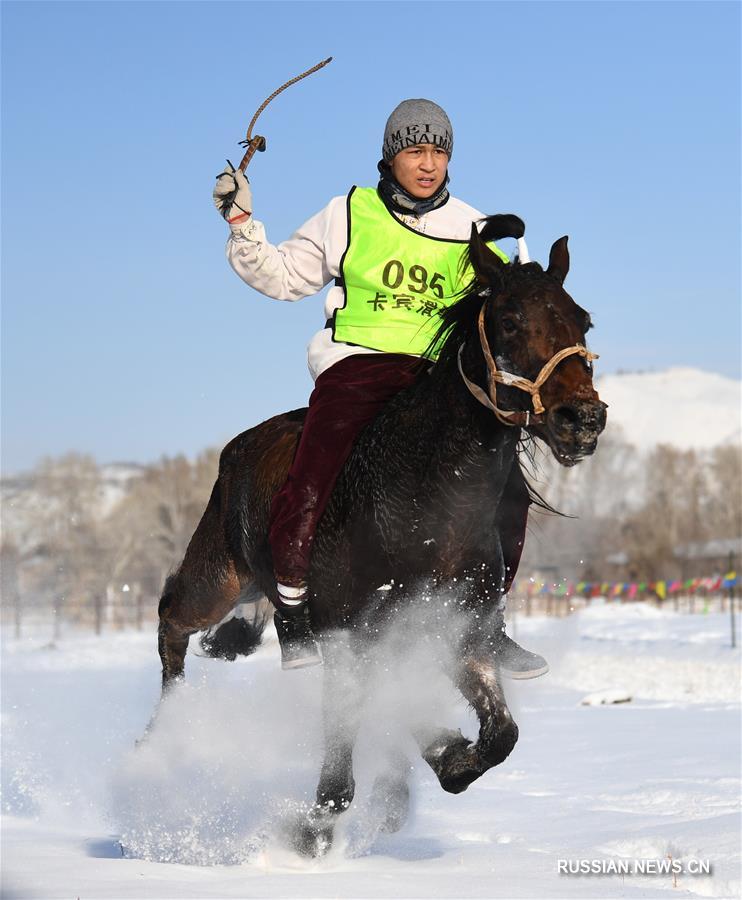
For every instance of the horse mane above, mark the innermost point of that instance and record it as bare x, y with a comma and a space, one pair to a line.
458, 321
459, 324
525, 457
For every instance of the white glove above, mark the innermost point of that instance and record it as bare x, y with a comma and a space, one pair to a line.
233, 197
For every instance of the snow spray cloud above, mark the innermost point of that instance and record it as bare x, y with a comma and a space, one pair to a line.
206, 784
228, 768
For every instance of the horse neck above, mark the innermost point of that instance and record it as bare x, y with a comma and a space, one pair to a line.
459, 427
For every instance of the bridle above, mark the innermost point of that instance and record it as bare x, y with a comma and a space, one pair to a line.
497, 376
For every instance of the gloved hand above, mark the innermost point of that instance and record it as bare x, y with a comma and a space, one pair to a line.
233, 197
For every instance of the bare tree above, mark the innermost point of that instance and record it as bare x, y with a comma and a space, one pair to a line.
723, 502
149, 530
596, 495
65, 547
64, 556
9, 587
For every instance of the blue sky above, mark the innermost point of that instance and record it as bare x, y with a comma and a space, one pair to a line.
124, 332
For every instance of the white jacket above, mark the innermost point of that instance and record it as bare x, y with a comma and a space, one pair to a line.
310, 259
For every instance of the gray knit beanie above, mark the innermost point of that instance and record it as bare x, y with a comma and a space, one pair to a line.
417, 122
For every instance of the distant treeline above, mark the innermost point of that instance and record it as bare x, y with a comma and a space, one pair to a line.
638, 516
73, 543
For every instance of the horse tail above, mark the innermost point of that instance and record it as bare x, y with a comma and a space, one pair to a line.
241, 633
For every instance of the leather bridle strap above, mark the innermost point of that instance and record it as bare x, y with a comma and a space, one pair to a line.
507, 418
497, 376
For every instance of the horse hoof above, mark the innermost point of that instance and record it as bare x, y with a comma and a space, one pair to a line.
313, 835
459, 777
454, 761
392, 796
312, 842
499, 750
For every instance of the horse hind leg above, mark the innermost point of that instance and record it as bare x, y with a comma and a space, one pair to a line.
182, 613
172, 638
172, 644
189, 605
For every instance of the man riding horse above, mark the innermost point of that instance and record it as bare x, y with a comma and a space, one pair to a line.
395, 255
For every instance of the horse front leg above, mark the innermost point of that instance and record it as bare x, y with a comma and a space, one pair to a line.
342, 699
390, 794
458, 761
498, 734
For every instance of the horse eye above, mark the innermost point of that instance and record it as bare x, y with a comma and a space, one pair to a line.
508, 325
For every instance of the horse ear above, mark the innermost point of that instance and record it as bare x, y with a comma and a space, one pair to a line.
559, 259
486, 264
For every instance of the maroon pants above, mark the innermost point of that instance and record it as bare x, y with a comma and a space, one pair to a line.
346, 397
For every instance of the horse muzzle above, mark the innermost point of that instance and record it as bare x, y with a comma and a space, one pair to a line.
573, 429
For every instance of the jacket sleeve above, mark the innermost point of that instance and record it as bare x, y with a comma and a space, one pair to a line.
293, 269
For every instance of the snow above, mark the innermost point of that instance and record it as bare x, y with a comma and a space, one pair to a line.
685, 407
202, 804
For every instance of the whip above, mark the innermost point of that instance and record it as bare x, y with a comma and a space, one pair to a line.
258, 142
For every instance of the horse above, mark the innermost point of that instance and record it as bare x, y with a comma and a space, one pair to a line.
423, 505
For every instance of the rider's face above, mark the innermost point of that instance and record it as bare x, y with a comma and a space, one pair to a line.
421, 169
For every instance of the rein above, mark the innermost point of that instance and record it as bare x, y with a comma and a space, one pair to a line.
497, 376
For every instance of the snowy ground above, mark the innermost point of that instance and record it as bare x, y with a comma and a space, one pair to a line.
198, 808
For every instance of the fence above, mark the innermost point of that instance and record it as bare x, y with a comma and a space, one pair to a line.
551, 604
134, 609
131, 610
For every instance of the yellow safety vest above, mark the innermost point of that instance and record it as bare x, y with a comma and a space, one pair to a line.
396, 279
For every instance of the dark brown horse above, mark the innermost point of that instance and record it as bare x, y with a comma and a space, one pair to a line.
421, 508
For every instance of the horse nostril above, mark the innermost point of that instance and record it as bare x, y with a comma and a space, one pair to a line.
583, 421
564, 417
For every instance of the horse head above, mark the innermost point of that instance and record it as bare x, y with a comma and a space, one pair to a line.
532, 336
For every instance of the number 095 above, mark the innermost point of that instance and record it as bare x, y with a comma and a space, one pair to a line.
419, 280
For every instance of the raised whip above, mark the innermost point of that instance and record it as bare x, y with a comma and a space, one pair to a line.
258, 142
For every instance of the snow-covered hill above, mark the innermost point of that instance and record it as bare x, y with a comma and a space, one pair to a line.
685, 407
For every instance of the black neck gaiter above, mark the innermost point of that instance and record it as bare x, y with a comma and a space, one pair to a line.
398, 200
